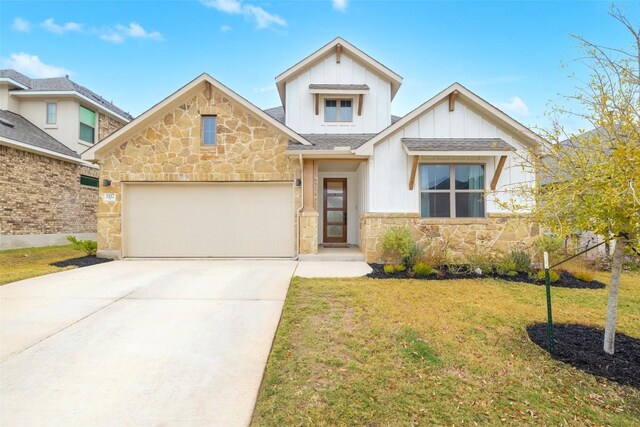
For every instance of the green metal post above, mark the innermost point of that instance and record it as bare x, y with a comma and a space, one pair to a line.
547, 280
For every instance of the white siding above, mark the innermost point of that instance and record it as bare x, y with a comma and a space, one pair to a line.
390, 167
376, 109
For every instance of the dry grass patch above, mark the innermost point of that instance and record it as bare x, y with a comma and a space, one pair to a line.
19, 264
402, 352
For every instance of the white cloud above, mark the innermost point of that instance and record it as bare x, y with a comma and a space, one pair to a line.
262, 18
256, 14
227, 6
340, 5
119, 33
32, 66
515, 106
51, 26
225, 28
21, 25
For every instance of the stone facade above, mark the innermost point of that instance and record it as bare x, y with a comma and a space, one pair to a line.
107, 125
497, 233
43, 195
309, 232
170, 150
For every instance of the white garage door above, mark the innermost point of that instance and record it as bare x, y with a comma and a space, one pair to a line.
208, 220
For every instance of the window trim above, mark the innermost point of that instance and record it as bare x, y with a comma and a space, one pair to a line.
93, 179
55, 113
452, 190
338, 99
215, 133
80, 123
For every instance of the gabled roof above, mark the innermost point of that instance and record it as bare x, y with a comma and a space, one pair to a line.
62, 85
465, 94
16, 129
326, 50
172, 101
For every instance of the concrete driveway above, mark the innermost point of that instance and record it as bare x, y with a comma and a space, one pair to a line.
139, 343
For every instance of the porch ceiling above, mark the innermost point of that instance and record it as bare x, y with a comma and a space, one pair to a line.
338, 166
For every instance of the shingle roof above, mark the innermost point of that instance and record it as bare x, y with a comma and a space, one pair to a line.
456, 144
330, 141
61, 84
339, 86
14, 126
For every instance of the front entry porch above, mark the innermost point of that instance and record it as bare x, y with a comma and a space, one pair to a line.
334, 194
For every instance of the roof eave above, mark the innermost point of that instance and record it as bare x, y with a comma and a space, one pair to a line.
43, 151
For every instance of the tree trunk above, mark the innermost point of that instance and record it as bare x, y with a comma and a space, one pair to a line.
612, 306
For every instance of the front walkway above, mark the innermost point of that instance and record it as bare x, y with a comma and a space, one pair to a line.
139, 343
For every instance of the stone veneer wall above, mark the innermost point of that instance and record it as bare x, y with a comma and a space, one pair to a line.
497, 233
43, 195
107, 125
309, 232
170, 150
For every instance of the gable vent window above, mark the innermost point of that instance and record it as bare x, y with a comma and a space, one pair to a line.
209, 130
89, 181
338, 110
52, 113
87, 125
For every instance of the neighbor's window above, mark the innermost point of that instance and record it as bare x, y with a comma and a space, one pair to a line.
87, 125
338, 110
452, 191
89, 181
208, 130
52, 113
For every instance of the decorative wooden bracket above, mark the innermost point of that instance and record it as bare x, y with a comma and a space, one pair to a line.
338, 53
452, 100
414, 169
317, 102
496, 174
360, 98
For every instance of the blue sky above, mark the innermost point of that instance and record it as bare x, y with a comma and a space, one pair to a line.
138, 52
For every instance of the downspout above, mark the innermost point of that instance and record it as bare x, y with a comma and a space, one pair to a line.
299, 211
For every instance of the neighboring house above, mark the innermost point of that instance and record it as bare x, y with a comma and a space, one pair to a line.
46, 191
205, 173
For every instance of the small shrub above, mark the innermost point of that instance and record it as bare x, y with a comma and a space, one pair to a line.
397, 243
522, 260
389, 268
413, 256
89, 247
583, 275
422, 269
399, 268
479, 259
507, 265
553, 276
512, 273
551, 244
434, 253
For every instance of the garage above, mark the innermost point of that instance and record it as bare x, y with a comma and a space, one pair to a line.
234, 220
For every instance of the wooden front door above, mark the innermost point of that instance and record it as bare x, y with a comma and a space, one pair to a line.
335, 210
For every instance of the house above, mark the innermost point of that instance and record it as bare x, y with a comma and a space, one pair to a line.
205, 173
46, 190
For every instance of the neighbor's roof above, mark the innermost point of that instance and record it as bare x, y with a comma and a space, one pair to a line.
328, 49
322, 141
60, 84
456, 144
14, 127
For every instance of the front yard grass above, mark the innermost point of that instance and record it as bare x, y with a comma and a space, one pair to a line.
407, 352
18, 264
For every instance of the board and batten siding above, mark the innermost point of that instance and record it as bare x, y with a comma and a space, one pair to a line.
300, 106
390, 166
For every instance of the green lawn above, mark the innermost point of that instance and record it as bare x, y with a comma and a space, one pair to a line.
18, 264
393, 352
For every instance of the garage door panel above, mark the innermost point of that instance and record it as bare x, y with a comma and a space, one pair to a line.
209, 220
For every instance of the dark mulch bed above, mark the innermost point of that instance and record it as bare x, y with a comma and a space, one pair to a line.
566, 279
581, 347
83, 261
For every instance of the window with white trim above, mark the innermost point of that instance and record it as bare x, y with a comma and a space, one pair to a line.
338, 110
52, 113
87, 125
452, 191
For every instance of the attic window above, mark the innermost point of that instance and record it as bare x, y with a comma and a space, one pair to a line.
338, 110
